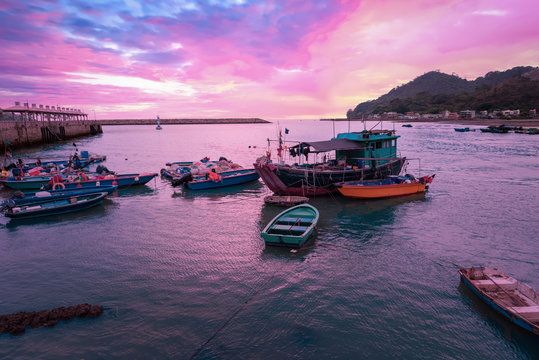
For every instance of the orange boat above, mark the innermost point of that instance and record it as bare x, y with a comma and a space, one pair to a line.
388, 187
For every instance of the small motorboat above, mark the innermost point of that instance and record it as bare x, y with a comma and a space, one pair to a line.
462, 129
19, 198
407, 125
227, 178
382, 188
55, 206
285, 200
292, 227
513, 299
120, 180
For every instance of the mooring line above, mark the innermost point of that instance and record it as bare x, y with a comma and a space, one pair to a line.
199, 350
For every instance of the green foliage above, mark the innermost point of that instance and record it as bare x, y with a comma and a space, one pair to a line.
434, 92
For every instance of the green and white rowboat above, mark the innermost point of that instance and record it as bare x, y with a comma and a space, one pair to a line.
292, 227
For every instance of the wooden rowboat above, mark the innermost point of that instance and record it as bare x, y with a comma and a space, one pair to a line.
45, 207
291, 227
383, 188
285, 200
513, 299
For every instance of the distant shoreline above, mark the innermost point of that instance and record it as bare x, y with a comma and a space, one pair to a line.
183, 121
526, 123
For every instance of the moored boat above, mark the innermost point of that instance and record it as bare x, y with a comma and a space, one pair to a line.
30, 197
355, 156
502, 129
292, 227
466, 129
38, 182
228, 178
513, 299
383, 188
55, 206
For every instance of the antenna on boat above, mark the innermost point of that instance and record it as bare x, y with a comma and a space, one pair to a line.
364, 123
333, 128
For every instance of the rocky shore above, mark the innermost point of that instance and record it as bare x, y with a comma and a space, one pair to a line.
16, 324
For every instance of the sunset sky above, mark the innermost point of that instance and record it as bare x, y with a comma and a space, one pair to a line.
243, 58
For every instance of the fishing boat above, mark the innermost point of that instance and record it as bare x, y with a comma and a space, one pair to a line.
513, 299
383, 188
26, 183
227, 178
39, 182
462, 129
120, 180
55, 206
285, 200
292, 227
158, 127
502, 129
369, 154
29, 197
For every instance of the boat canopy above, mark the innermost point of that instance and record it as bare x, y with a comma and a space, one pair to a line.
329, 145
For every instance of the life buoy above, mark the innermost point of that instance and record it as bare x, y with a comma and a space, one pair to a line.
59, 184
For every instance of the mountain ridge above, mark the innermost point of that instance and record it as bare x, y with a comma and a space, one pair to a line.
448, 90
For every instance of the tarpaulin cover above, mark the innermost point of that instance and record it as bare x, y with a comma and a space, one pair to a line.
330, 145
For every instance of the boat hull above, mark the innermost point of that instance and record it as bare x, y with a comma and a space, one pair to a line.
56, 206
228, 179
508, 312
380, 191
295, 181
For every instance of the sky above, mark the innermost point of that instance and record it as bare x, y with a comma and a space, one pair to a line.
240, 58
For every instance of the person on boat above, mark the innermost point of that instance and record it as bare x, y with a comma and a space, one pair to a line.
214, 176
81, 177
54, 181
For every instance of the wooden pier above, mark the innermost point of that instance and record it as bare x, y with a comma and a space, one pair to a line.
24, 125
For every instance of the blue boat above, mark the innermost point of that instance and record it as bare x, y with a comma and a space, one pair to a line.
121, 181
30, 197
46, 207
228, 178
462, 129
38, 182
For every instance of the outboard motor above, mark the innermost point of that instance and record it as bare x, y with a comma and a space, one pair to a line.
182, 179
18, 195
100, 169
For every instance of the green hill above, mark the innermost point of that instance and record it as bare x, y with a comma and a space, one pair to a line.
434, 92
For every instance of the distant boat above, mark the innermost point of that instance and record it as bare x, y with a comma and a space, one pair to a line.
462, 129
158, 127
55, 206
502, 129
513, 299
292, 227
407, 125
383, 188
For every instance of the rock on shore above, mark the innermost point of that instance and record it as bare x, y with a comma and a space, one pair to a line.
16, 324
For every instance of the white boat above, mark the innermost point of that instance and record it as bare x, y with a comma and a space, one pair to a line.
513, 299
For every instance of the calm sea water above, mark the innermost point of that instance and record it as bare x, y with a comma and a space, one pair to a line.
186, 275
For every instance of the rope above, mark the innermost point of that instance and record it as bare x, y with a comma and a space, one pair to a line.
242, 306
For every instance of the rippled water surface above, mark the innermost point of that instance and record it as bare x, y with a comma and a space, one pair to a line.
186, 275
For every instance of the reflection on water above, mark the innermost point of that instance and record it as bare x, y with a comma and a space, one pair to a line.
186, 272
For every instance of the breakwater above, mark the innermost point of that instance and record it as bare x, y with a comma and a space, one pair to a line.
184, 121
21, 133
